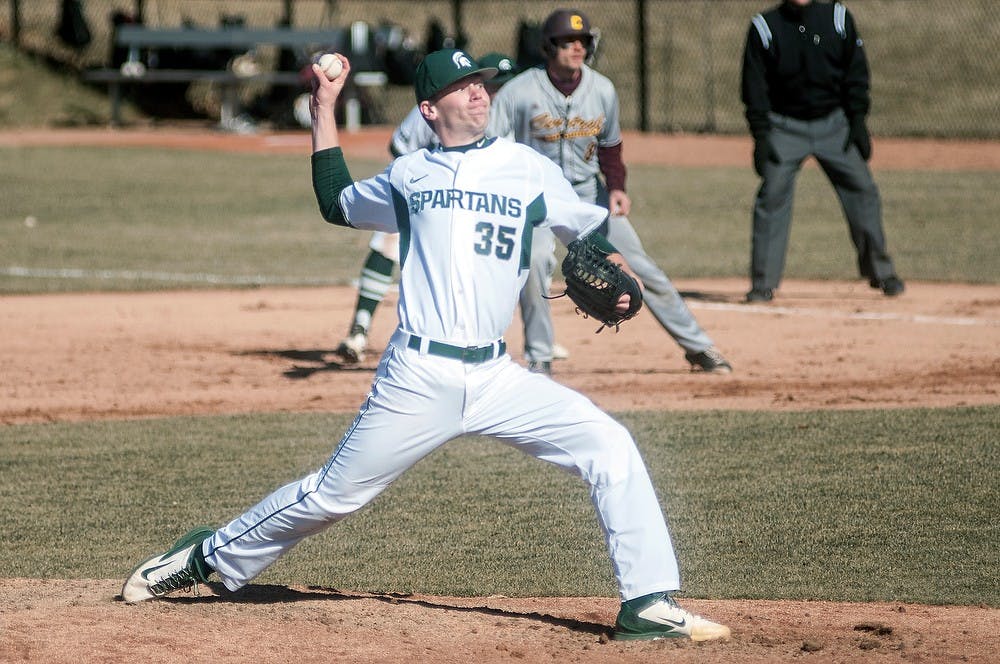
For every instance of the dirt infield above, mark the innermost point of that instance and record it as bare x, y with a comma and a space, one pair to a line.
55, 622
821, 345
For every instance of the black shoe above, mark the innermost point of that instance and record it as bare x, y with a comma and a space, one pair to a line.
891, 286
709, 360
760, 295
540, 367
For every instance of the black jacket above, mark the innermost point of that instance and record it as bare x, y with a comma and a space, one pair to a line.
803, 62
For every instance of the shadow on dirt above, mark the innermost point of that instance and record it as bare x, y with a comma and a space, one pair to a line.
317, 359
703, 296
278, 594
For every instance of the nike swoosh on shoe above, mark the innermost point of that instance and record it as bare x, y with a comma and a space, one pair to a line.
667, 621
146, 572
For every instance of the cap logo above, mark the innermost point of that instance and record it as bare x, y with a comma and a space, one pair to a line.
576, 22
461, 60
505, 65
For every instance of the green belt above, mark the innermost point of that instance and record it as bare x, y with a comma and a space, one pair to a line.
469, 355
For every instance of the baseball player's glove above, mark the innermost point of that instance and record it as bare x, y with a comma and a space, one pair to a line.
595, 284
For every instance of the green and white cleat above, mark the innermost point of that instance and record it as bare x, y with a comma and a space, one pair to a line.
168, 572
658, 616
352, 349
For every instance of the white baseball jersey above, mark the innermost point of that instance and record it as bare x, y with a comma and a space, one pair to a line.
567, 130
468, 214
412, 134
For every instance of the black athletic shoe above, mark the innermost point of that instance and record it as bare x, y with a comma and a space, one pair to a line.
760, 295
891, 286
540, 367
709, 360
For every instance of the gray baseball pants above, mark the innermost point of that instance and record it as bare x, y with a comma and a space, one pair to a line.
659, 294
792, 141
539, 334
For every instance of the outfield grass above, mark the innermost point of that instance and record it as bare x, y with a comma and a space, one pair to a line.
129, 219
856, 506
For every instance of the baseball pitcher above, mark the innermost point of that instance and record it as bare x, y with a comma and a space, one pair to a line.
465, 215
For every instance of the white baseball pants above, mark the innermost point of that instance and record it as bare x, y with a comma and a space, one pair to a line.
419, 402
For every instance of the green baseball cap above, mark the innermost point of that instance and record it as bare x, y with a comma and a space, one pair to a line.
441, 68
504, 64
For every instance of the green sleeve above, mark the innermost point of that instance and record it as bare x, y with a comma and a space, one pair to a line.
330, 177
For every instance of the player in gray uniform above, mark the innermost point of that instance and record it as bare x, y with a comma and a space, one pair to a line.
412, 134
569, 112
464, 213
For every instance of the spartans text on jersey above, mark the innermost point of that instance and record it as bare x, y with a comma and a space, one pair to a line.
474, 201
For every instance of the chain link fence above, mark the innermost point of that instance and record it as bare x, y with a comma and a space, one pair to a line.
676, 63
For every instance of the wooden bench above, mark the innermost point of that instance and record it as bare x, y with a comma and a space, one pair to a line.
134, 72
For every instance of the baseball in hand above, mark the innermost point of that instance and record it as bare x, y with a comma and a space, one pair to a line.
331, 65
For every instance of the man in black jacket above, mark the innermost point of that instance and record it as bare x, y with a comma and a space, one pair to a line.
805, 88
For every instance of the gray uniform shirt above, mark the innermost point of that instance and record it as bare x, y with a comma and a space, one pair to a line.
567, 130
412, 134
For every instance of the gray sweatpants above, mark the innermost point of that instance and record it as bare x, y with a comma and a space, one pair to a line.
659, 294
792, 142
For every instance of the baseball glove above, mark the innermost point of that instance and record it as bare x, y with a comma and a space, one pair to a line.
595, 284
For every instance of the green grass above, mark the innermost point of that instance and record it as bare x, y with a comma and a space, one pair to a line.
150, 216
174, 212
853, 506
939, 225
